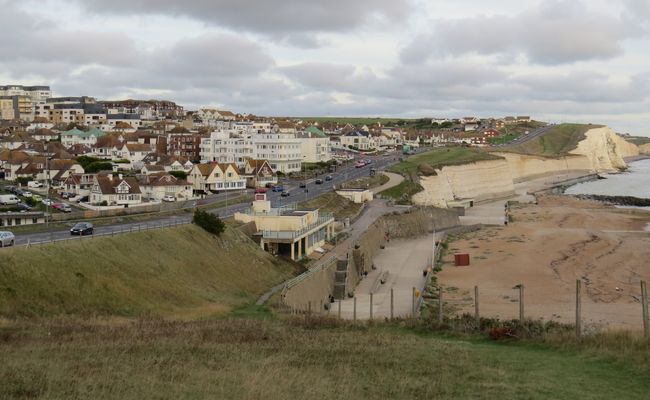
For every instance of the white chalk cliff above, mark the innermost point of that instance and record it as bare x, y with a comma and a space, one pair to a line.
602, 150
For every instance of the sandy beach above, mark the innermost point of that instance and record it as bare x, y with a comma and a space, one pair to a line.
547, 247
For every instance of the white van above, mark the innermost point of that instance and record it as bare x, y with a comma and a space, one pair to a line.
9, 199
34, 184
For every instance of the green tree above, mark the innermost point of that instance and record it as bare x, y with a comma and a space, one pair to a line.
99, 166
208, 221
179, 174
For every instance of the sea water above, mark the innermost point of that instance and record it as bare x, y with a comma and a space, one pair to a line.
634, 182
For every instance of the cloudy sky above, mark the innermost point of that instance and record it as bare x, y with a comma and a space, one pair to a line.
556, 60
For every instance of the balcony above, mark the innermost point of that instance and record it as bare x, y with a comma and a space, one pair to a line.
322, 221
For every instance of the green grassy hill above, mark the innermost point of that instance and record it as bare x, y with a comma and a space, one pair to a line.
178, 272
558, 141
439, 158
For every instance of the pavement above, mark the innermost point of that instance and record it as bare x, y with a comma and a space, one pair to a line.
404, 260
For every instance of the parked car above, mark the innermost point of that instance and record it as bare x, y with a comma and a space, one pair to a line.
285, 194
303, 185
26, 194
65, 208
329, 178
7, 239
48, 202
34, 184
269, 185
10, 188
318, 181
83, 199
66, 195
37, 197
278, 188
19, 192
23, 206
9, 199
82, 228
359, 164
169, 198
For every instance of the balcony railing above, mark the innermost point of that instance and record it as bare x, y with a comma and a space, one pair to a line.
291, 235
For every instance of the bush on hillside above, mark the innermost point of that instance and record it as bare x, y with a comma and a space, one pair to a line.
208, 221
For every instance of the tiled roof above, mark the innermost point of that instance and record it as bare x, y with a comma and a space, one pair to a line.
108, 185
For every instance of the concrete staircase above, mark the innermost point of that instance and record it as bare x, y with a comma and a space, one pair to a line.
340, 279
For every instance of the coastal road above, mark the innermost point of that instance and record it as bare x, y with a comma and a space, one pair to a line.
534, 134
345, 173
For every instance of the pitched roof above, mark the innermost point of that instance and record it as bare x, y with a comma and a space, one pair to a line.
13, 156
163, 180
138, 147
108, 185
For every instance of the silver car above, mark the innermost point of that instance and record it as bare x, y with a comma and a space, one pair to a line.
7, 239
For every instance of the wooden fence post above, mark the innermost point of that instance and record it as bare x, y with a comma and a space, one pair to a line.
578, 309
440, 319
521, 303
476, 311
413, 302
644, 304
392, 304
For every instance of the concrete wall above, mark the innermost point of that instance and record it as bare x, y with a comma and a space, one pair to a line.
411, 223
314, 286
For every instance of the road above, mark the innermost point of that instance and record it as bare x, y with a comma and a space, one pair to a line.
345, 173
534, 134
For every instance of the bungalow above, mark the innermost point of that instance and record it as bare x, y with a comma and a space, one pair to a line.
149, 169
45, 135
134, 152
215, 177
157, 186
258, 173
115, 189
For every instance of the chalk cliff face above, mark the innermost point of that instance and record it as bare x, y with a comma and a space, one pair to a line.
605, 149
479, 181
601, 150
644, 148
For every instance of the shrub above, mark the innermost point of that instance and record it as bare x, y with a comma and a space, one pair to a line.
208, 221
24, 179
99, 166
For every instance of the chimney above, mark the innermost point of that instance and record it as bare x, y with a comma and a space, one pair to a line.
110, 177
119, 176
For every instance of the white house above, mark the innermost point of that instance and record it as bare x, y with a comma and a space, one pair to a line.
157, 186
115, 189
216, 177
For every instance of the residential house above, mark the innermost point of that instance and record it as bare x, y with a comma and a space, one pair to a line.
357, 140
157, 186
315, 145
215, 177
150, 169
115, 189
76, 136
258, 173
79, 184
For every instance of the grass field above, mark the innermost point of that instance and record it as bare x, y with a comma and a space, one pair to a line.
270, 359
175, 272
441, 157
355, 120
558, 141
402, 193
333, 203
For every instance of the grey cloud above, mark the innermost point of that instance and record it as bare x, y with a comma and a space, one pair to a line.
555, 32
277, 18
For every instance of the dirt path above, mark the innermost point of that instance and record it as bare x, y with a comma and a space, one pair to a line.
393, 180
547, 247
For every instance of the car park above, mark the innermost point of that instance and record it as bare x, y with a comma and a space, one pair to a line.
169, 198
7, 239
82, 228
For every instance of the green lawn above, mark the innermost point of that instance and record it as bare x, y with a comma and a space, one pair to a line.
558, 141
441, 157
402, 193
271, 359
